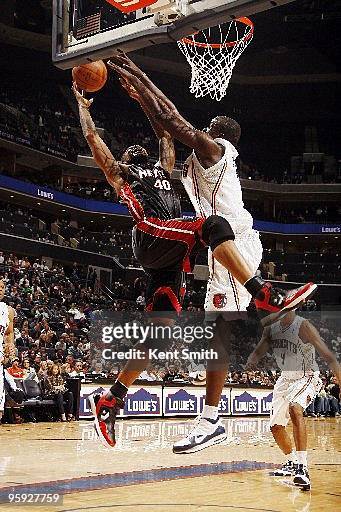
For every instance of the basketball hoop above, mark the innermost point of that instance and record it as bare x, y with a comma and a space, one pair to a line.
211, 62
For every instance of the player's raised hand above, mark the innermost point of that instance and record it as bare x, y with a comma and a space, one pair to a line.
126, 75
80, 98
125, 62
130, 90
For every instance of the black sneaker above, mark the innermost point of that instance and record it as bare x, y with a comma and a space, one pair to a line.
287, 469
105, 411
301, 477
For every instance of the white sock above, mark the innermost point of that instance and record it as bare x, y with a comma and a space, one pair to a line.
210, 412
302, 458
292, 457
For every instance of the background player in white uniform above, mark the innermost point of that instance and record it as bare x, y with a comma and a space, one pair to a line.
6, 340
293, 341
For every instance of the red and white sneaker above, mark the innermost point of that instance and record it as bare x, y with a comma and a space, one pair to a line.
271, 302
105, 411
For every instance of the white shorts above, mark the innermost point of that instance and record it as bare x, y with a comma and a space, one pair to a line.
2, 389
300, 391
224, 293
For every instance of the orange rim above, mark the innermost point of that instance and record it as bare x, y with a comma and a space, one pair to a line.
230, 44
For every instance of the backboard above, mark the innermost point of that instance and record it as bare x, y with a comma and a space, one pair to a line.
86, 31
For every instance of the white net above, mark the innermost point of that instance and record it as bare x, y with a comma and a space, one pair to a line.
212, 55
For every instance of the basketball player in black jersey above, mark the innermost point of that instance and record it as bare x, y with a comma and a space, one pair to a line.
164, 244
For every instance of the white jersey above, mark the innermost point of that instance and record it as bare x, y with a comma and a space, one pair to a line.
295, 358
217, 190
4, 323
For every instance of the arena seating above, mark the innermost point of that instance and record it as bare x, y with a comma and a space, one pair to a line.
30, 119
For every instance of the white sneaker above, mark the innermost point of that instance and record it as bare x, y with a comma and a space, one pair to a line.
205, 433
287, 469
301, 477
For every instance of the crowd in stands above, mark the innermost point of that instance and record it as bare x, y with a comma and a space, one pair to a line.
320, 264
295, 266
47, 120
55, 308
39, 119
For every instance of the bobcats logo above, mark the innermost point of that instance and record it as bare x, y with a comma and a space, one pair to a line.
219, 300
185, 169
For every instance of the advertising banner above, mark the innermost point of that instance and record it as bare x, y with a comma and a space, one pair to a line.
189, 401
181, 401
250, 401
155, 401
140, 401
120, 209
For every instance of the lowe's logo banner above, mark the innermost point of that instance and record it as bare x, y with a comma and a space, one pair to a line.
223, 407
84, 404
181, 402
141, 403
266, 404
245, 404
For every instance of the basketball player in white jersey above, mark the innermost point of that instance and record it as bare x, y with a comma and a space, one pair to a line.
6, 340
293, 341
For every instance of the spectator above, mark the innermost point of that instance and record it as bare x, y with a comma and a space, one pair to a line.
74, 350
13, 397
78, 370
55, 387
42, 372
15, 369
29, 372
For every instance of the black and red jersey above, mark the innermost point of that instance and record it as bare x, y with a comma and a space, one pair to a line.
150, 193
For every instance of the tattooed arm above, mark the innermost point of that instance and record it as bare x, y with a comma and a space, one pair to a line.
207, 150
113, 170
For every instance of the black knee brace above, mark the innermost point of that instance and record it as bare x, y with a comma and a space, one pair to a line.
216, 230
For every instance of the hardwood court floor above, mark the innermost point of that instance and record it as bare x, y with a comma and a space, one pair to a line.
142, 473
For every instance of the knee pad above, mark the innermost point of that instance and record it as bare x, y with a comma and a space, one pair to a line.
216, 230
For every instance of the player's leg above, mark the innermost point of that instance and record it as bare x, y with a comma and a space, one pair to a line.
162, 295
299, 432
282, 438
301, 477
279, 419
106, 407
208, 430
303, 393
217, 233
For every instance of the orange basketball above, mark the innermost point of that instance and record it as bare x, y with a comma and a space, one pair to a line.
90, 77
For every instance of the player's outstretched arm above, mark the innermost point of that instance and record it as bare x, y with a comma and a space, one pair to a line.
103, 157
309, 334
166, 142
122, 60
260, 350
205, 147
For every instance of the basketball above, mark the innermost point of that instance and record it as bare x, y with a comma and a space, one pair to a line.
90, 77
